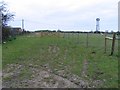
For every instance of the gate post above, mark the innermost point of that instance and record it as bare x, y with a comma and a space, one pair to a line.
113, 44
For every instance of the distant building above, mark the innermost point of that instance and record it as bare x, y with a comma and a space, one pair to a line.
16, 30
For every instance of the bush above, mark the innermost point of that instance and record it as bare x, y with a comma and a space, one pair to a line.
5, 33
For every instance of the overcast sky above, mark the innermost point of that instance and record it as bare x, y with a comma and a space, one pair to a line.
65, 14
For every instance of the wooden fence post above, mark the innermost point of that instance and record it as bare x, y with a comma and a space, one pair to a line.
105, 42
63, 34
78, 35
78, 38
113, 44
87, 40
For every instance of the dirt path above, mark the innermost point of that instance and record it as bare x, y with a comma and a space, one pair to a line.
94, 81
40, 77
84, 69
47, 80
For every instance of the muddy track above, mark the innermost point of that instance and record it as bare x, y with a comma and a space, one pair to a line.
84, 69
40, 77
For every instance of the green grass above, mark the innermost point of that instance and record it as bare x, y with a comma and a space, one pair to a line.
0, 56
72, 51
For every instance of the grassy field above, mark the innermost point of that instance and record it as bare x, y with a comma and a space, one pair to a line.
67, 52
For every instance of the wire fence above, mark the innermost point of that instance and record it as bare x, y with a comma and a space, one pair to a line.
87, 40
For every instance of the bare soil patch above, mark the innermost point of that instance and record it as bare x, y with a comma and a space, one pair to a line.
40, 77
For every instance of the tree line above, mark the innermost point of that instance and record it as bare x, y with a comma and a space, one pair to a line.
97, 32
6, 16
